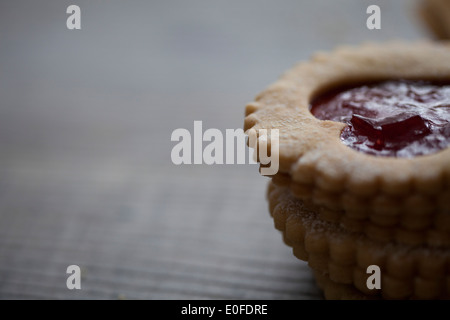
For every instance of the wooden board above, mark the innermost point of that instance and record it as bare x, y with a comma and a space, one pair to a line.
86, 118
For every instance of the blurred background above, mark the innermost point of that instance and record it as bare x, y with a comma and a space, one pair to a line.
86, 118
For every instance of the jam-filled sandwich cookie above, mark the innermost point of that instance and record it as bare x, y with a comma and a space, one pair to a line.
436, 14
390, 118
364, 136
364, 133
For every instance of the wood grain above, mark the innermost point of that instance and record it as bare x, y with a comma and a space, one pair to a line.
85, 124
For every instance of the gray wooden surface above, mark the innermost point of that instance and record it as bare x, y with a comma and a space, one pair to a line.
85, 124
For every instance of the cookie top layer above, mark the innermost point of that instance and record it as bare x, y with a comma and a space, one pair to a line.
310, 149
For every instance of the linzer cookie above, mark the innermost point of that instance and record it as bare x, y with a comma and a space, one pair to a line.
321, 166
436, 14
343, 257
364, 148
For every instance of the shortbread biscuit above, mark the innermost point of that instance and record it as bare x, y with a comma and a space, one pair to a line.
406, 272
320, 169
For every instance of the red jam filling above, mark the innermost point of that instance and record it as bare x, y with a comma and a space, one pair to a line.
398, 118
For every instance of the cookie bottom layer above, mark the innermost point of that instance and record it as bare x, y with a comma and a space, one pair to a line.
417, 225
406, 272
338, 291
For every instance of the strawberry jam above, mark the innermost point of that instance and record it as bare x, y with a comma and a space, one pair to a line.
398, 118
